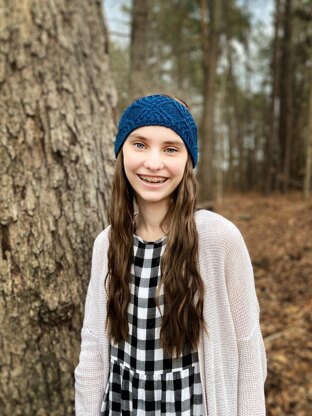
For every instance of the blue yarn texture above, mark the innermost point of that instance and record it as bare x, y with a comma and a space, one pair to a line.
159, 110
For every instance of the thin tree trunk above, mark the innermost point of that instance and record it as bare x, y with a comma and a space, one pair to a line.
219, 172
231, 168
271, 151
247, 149
308, 167
138, 48
220, 135
230, 98
210, 48
286, 110
56, 108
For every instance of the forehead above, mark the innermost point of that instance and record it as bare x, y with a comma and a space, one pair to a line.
156, 134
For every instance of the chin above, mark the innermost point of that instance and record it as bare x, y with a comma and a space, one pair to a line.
151, 199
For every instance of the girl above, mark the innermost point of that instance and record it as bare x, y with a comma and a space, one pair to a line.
171, 322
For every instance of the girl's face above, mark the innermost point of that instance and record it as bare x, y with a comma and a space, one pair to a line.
154, 162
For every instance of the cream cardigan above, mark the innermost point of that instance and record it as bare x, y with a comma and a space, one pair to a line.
232, 356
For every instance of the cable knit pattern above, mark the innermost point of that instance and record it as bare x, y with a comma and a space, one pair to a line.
232, 357
159, 110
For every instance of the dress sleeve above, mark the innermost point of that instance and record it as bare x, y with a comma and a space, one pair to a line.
246, 313
89, 374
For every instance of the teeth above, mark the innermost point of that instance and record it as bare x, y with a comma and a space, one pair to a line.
152, 180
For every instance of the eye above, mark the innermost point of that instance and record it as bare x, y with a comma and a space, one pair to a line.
138, 145
171, 150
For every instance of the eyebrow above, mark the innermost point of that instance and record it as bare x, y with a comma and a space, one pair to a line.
167, 142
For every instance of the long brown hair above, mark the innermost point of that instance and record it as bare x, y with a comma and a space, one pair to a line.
183, 287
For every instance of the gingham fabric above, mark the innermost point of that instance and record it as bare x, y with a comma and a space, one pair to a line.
143, 379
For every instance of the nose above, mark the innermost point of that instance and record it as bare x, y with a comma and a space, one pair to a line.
154, 161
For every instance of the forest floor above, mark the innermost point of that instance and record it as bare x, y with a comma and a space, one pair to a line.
278, 234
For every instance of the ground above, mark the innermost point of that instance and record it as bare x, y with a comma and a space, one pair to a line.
278, 234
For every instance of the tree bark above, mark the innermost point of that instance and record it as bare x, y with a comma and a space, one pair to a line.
138, 48
308, 165
210, 36
56, 134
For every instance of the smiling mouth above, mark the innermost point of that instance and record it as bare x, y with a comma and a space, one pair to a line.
152, 179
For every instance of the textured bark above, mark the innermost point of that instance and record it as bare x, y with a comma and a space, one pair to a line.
308, 164
56, 161
210, 36
138, 48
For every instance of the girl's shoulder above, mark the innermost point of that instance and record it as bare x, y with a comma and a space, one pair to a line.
102, 240
213, 227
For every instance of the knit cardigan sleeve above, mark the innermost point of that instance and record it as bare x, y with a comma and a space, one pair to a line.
246, 313
90, 374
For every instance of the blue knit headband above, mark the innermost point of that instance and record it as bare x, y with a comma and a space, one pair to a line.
159, 110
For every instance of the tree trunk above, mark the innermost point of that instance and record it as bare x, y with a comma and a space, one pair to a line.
271, 151
235, 173
220, 138
247, 149
286, 109
56, 109
308, 166
138, 48
230, 91
210, 52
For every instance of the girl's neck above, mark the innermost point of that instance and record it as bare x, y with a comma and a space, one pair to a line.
148, 220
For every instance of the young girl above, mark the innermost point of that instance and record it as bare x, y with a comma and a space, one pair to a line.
171, 322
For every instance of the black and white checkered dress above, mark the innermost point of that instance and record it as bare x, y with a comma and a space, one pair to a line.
143, 379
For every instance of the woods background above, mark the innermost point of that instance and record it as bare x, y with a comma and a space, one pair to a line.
67, 69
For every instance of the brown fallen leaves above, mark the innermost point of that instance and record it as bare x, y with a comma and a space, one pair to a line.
278, 234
